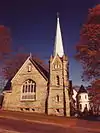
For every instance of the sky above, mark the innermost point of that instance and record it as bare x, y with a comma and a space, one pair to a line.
33, 25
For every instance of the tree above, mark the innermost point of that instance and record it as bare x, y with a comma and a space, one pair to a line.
5, 42
12, 64
88, 48
96, 86
5, 49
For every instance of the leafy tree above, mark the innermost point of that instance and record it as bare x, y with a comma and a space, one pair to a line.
5, 42
5, 49
88, 48
96, 86
12, 64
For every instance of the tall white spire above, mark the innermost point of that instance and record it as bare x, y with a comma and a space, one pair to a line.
58, 48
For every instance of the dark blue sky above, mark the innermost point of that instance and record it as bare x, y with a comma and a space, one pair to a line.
33, 24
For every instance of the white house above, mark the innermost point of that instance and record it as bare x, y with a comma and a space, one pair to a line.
82, 99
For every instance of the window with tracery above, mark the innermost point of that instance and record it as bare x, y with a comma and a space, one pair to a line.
28, 91
57, 66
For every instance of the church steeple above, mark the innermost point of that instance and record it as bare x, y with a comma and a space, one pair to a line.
58, 98
58, 48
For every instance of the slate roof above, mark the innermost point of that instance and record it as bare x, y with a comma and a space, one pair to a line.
41, 68
82, 90
8, 85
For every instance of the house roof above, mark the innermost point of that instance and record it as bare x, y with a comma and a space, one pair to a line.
82, 90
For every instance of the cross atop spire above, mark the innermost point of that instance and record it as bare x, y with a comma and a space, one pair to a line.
30, 55
58, 14
58, 48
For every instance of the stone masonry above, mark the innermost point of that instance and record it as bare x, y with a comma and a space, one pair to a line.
58, 67
12, 99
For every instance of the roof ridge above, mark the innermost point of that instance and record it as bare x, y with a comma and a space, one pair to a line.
40, 68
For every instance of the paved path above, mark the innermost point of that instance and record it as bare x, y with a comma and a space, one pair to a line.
8, 125
21, 122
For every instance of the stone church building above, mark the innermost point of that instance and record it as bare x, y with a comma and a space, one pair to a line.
35, 89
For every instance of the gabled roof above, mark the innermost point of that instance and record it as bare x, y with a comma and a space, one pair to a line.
41, 67
82, 90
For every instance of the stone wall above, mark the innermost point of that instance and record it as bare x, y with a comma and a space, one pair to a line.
61, 107
12, 100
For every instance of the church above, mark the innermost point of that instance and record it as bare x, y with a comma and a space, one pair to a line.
36, 89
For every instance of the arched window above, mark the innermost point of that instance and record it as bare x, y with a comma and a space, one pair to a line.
79, 97
28, 90
57, 98
57, 66
58, 82
80, 106
85, 105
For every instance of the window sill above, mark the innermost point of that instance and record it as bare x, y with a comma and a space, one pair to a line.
27, 100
